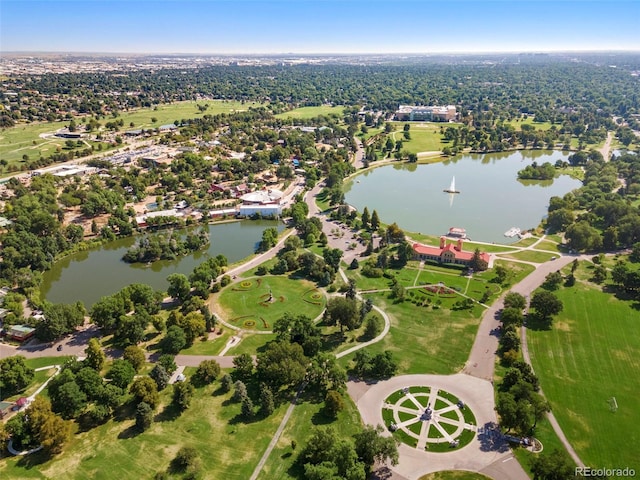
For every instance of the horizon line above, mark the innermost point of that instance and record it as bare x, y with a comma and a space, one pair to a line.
368, 53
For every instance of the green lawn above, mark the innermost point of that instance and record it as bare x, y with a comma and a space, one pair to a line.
529, 121
305, 417
113, 450
311, 112
246, 303
591, 354
425, 339
209, 347
530, 256
425, 137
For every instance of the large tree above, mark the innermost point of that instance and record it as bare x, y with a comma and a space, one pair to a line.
546, 304
299, 329
282, 364
15, 375
342, 311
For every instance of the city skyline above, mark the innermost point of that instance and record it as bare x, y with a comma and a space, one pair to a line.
317, 27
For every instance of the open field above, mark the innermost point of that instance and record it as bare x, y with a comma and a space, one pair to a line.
591, 354
114, 450
256, 303
517, 124
426, 339
530, 256
311, 112
425, 137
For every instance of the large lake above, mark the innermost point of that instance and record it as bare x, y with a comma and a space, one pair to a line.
490, 202
87, 276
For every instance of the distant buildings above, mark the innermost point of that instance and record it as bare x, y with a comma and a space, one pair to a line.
426, 113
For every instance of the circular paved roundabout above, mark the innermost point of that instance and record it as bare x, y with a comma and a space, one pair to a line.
429, 418
484, 452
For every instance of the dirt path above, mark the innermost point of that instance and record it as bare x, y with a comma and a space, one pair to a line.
606, 148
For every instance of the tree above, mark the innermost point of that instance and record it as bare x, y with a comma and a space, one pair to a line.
243, 364
375, 221
144, 416
373, 447
90, 382
135, 356
477, 262
179, 286
160, 376
15, 375
207, 372
512, 316
554, 466
366, 218
342, 311
121, 373
281, 364
186, 460
515, 300
552, 281
267, 405
333, 403
546, 304
246, 408
299, 329
168, 363
182, 395
269, 239
174, 341
54, 433
354, 264
239, 391
69, 400
94, 355
144, 389
226, 382
373, 327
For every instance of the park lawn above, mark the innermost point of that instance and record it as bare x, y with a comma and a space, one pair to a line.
311, 112
454, 475
425, 137
203, 346
46, 361
591, 354
426, 340
251, 343
525, 242
19, 140
517, 124
171, 112
548, 245
371, 132
530, 256
305, 418
241, 304
211, 424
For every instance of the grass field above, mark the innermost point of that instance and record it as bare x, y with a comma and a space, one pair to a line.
246, 303
24, 138
209, 347
591, 354
425, 137
305, 417
114, 450
426, 340
530, 256
311, 112
517, 124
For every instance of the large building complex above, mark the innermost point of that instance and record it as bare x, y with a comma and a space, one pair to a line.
446, 253
426, 113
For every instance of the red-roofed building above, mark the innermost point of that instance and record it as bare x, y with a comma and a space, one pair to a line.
446, 253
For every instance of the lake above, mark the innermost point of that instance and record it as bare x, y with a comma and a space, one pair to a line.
491, 200
88, 276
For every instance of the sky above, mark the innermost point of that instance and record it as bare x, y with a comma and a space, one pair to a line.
318, 26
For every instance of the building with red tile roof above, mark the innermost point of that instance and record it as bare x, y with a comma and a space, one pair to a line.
446, 253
